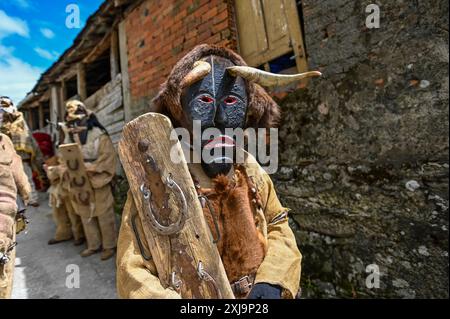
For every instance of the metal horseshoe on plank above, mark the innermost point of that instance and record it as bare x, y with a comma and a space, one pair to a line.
85, 200
75, 182
175, 227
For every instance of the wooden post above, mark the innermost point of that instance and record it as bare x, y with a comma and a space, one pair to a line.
41, 116
54, 106
123, 55
63, 98
29, 117
81, 81
114, 55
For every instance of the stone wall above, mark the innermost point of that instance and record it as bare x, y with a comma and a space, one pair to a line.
364, 150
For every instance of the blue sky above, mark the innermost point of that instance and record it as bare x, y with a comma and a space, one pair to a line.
33, 34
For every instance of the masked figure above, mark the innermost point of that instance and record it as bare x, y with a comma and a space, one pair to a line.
83, 127
12, 123
214, 86
13, 181
68, 224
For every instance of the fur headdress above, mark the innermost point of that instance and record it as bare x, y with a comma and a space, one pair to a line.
262, 109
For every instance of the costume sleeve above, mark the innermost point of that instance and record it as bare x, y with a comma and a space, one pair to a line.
282, 264
136, 277
103, 169
21, 179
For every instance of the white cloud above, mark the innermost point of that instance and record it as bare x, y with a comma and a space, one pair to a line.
46, 54
25, 4
11, 25
46, 32
18, 77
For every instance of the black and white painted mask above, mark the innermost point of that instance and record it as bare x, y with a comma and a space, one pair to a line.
214, 93
219, 100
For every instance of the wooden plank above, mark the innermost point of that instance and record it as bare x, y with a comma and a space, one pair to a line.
114, 54
145, 155
110, 104
252, 33
123, 53
275, 21
115, 138
111, 118
81, 191
295, 33
116, 127
110, 92
276, 25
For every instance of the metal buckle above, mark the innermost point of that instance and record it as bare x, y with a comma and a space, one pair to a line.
243, 285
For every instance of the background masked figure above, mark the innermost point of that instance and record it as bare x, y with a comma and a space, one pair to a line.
13, 181
68, 224
83, 127
13, 124
257, 246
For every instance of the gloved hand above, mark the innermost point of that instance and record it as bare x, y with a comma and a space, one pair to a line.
265, 291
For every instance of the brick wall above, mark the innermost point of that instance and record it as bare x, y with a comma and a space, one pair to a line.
160, 32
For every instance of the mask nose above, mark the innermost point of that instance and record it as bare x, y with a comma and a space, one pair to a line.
221, 118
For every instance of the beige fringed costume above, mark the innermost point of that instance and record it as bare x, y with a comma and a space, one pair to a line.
15, 127
12, 181
68, 224
100, 161
137, 277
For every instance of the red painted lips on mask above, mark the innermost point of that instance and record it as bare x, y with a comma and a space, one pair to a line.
220, 141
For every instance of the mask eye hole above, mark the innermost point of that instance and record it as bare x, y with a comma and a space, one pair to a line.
230, 100
206, 99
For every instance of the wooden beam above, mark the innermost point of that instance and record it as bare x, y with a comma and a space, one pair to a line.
119, 3
103, 45
123, 55
81, 81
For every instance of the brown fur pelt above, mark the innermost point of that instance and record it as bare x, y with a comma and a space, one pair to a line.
241, 246
262, 109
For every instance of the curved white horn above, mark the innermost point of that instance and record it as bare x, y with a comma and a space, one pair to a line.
268, 79
199, 71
